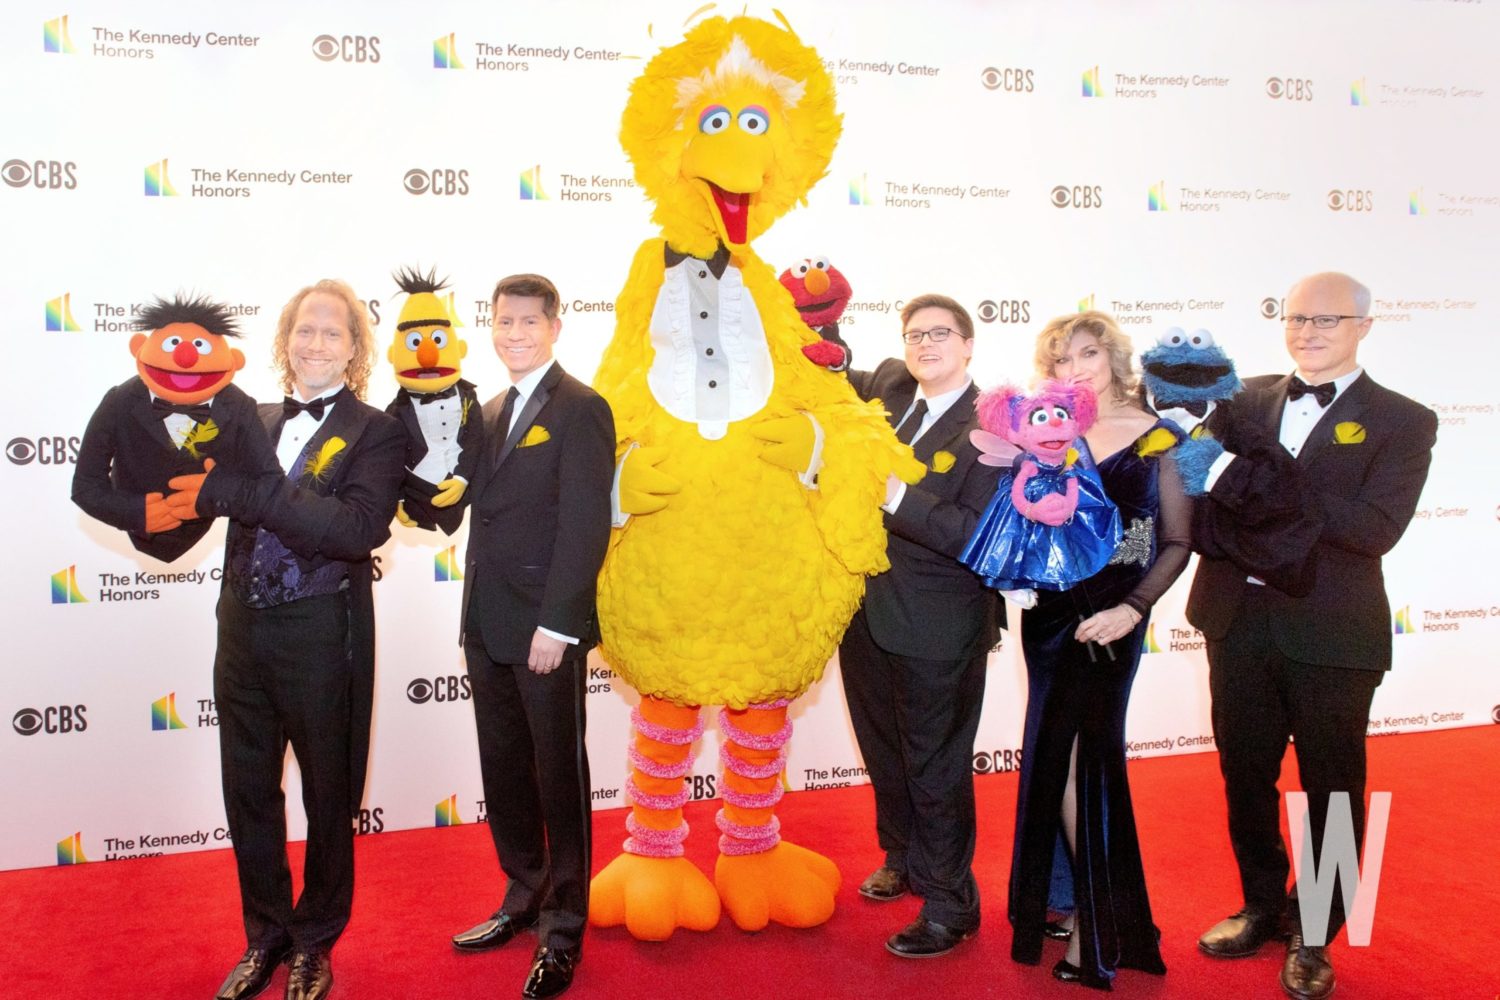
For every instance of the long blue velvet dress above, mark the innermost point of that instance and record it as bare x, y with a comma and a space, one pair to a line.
1073, 695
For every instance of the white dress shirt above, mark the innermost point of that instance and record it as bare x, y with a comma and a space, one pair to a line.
298, 430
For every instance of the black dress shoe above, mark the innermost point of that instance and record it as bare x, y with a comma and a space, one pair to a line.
884, 885
494, 932
311, 977
924, 939
1239, 936
1066, 972
1307, 974
1055, 930
253, 974
551, 972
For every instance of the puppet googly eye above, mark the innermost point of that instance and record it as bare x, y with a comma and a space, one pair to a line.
1060, 413
800, 270
414, 340
713, 120
170, 344
202, 346
440, 339
1038, 418
755, 120
1201, 339
1172, 338
821, 263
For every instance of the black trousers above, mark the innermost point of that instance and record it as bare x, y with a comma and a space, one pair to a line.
1260, 698
282, 675
915, 721
535, 769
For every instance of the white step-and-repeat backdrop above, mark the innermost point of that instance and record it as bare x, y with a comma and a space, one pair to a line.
1173, 163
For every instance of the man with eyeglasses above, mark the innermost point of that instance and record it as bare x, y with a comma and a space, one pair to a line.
913, 658
1305, 665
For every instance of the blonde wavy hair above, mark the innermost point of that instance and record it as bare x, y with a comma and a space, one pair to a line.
357, 375
1052, 347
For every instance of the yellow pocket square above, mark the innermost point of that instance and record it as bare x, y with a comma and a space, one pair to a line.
1348, 432
536, 434
942, 461
1156, 442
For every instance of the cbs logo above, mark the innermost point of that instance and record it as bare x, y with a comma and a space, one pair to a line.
451, 688
49, 175
1351, 201
438, 181
1078, 196
1015, 81
1289, 88
53, 719
1270, 308
996, 761
1004, 311
347, 48
42, 450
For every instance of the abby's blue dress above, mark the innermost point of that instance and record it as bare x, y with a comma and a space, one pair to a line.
1011, 551
1073, 695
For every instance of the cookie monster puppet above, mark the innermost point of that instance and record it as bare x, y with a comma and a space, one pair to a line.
1243, 481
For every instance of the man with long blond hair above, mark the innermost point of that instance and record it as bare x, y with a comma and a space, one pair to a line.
296, 654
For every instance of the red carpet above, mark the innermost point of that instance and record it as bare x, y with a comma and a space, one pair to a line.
169, 927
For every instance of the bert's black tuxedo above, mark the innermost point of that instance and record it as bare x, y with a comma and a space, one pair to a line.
127, 453
1304, 664
537, 537
913, 659
296, 658
417, 493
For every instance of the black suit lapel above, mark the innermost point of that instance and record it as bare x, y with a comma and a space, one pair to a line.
947, 426
343, 422
405, 408
527, 417
1273, 401
1347, 406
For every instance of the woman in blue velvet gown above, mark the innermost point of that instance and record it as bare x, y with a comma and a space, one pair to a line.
1082, 648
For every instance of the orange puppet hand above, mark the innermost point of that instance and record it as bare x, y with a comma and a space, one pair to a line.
158, 517
183, 503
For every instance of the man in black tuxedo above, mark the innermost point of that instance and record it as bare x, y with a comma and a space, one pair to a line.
537, 537
296, 653
913, 659
1306, 666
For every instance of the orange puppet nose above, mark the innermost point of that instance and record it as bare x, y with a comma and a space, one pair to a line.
816, 281
427, 354
185, 354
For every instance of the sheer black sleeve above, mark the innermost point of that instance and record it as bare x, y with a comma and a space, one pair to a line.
1174, 533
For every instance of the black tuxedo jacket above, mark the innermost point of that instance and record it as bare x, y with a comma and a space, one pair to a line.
541, 517
342, 515
928, 604
1365, 490
418, 493
127, 453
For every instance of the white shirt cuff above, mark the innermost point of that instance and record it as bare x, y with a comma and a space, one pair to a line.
1217, 469
890, 506
557, 635
617, 517
809, 476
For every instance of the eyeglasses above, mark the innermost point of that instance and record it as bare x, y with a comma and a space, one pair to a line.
1297, 321
937, 334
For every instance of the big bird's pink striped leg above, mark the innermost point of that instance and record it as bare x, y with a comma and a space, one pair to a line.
651, 888
760, 876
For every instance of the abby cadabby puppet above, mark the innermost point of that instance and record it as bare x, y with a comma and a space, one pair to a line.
1050, 524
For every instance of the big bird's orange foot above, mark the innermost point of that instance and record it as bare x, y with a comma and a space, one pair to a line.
788, 884
653, 897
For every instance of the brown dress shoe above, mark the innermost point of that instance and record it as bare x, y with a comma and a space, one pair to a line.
311, 977
1307, 974
253, 973
884, 885
1239, 936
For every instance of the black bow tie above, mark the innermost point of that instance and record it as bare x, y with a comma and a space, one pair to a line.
717, 263
1322, 393
164, 407
291, 407
1197, 407
432, 397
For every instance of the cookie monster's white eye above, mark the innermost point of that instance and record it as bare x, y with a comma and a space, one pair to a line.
1174, 337
1201, 339
714, 119
754, 120
1061, 414
801, 269
821, 263
1038, 418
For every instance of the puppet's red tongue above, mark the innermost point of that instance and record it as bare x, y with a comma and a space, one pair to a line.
734, 209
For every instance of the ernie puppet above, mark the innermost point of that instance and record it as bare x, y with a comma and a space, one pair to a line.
749, 485
178, 415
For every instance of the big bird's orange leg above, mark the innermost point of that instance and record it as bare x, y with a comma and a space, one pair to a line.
760, 876
651, 888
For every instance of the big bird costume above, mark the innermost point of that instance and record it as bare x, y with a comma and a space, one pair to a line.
750, 480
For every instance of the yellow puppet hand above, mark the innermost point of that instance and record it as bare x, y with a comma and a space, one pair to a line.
402, 518
791, 441
450, 492
643, 487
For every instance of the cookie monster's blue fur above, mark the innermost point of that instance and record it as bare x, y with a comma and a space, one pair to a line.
1194, 456
1178, 370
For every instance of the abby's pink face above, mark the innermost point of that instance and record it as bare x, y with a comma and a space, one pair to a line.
1047, 431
